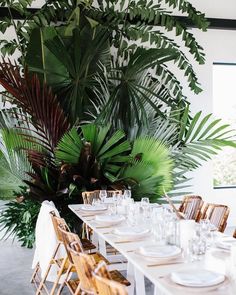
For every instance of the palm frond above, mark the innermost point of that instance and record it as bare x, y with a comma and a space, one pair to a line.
46, 114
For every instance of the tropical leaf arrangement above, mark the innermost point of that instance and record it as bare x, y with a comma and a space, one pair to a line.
18, 220
93, 103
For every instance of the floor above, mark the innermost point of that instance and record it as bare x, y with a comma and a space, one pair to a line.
15, 270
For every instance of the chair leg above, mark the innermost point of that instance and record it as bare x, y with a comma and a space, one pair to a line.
36, 269
59, 275
42, 283
77, 291
67, 276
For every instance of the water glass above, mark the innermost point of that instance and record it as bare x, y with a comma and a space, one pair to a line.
145, 201
96, 202
127, 194
113, 208
197, 248
103, 195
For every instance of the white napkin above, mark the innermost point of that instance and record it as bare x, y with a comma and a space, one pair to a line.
131, 231
199, 278
159, 251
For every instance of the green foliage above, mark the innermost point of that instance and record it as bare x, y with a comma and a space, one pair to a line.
19, 220
65, 26
101, 158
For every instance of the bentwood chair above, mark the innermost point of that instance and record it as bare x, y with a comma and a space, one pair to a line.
85, 265
191, 207
88, 197
217, 215
104, 283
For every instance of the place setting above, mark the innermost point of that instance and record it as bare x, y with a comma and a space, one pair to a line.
157, 255
195, 280
129, 234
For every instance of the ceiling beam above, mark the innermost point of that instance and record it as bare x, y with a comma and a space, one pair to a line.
215, 23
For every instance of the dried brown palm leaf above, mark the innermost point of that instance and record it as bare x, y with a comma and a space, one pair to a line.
38, 101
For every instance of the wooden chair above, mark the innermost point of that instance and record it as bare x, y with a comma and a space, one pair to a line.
105, 284
62, 264
88, 197
217, 214
191, 207
85, 265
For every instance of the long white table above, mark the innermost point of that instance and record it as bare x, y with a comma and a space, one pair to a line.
215, 260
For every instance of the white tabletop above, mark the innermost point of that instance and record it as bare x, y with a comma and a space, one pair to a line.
215, 260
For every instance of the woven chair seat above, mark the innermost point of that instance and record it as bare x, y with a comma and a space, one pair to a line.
119, 278
87, 245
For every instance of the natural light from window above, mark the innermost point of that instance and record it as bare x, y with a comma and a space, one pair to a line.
224, 106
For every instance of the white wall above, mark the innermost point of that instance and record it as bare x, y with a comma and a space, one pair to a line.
219, 46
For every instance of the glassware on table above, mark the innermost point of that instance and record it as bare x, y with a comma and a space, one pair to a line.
172, 231
157, 226
133, 214
113, 208
127, 194
197, 248
103, 195
96, 202
145, 201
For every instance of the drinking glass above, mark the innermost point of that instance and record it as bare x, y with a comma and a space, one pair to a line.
127, 194
144, 201
133, 214
196, 248
113, 209
157, 225
103, 195
95, 202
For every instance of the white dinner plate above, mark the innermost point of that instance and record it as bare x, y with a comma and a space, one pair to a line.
197, 278
109, 219
160, 251
131, 232
98, 207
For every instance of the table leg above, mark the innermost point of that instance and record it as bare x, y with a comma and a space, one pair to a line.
139, 282
95, 239
130, 278
102, 246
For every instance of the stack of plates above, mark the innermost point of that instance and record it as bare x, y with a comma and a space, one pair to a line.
197, 278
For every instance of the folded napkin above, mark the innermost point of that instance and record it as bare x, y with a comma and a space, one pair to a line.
131, 231
159, 251
199, 278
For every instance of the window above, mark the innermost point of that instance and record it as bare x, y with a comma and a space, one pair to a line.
224, 106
